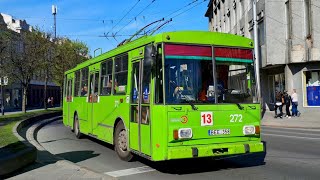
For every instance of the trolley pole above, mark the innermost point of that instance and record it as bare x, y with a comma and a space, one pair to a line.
256, 49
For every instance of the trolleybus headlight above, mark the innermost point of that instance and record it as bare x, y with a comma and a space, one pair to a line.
248, 130
185, 133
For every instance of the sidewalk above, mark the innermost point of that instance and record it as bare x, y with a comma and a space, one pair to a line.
28, 110
61, 170
304, 121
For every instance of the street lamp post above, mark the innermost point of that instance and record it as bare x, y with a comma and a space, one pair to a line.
3, 82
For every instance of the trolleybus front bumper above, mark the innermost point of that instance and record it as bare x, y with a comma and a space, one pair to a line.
215, 150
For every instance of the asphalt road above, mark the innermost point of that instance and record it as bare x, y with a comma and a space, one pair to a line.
291, 154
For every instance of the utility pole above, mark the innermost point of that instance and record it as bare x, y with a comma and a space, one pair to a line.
256, 49
2, 97
54, 13
3, 82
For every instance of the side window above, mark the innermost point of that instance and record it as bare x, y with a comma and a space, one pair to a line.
84, 81
69, 90
106, 78
121, 74
65, 86
135, 83
77, 91
159, 75
96, 83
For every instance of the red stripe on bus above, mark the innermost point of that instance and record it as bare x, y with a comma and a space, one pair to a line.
186, 50
233, 53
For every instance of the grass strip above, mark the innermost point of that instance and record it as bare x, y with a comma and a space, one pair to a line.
8, 141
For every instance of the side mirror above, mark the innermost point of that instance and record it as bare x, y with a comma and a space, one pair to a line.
149, 55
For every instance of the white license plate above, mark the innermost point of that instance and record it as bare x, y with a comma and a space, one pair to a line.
218, 132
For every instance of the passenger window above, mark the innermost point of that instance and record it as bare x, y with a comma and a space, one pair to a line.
121, 74
77, 91
84, 82
106, 78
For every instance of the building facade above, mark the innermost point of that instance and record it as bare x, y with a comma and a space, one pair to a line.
13, 91
289, 44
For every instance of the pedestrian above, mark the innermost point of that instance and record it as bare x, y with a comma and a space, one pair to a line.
294, 97
16, 103
278, 105
51, 101
287, 102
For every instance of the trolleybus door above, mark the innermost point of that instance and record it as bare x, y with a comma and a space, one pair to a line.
93, 97
140, 137
69, 100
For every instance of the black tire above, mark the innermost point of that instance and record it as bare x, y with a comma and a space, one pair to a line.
76, 127
121, 143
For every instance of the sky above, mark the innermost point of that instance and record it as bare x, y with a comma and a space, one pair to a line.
90, 20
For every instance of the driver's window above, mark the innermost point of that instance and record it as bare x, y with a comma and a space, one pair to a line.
180, 74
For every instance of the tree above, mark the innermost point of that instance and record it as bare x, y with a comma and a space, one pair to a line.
26, 57
68, 54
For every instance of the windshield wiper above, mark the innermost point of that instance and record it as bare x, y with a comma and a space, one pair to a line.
191, 102
239, 106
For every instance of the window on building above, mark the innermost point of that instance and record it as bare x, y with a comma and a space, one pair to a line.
121, 74
307, 18
106, 78
241, 9
261, 33
77, 81
288, 19
84, 81
276, 83
313, 87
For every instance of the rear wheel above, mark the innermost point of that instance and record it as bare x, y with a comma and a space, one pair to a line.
76, 127
121, 143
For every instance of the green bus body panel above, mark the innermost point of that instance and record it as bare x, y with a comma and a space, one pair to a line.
156, 139
183, 152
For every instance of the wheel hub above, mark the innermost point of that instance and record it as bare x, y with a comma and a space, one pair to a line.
122, 140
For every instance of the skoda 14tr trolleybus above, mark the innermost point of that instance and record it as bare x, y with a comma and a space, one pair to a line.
174, 95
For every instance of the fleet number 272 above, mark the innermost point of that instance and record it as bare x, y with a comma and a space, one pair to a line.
235, 118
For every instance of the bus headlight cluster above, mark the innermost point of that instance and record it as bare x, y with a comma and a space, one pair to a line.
182, 133
248, 130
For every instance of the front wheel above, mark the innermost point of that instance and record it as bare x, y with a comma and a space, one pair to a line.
76, 127
121, 143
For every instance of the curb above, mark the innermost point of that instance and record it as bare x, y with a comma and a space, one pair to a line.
32, 138
26, 156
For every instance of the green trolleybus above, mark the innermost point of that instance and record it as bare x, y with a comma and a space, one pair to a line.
174, 95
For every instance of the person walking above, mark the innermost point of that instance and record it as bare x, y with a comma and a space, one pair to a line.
287, 102
278, 105
52, 103
294, 97
49, 101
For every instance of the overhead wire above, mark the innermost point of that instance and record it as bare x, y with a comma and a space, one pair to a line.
124, 15
135, 16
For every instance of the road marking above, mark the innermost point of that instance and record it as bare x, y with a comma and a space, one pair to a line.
298, 137
298, 129
131, 171
288, 132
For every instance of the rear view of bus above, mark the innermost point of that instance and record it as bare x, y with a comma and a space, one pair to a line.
209, 92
